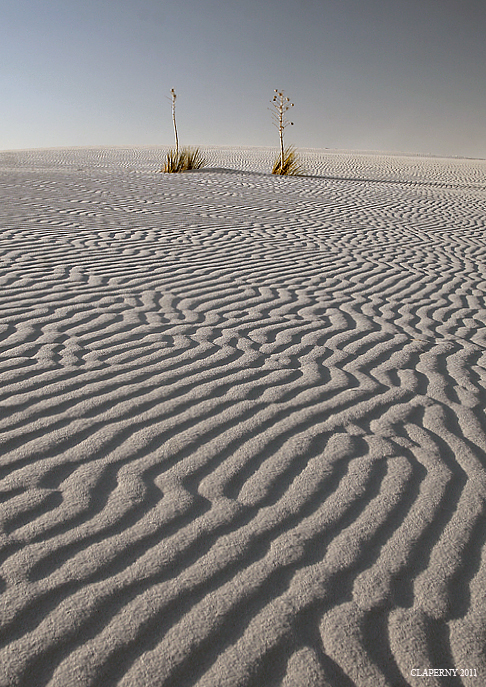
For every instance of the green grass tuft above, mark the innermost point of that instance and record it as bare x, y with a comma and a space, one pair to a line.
187, 158
291, 165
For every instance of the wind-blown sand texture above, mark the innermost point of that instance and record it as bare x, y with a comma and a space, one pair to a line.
243, 438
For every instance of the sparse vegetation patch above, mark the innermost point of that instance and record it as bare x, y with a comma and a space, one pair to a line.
291, 163
187, 158
287, 163
181, 160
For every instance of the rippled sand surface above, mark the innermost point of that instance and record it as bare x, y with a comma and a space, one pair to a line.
242, 428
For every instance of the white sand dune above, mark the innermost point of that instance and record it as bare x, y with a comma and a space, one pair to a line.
243, 440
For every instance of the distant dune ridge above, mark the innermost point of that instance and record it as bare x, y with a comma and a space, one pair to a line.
243, 440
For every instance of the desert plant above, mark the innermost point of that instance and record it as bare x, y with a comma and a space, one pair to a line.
281, 104
187, 158
193, 158
291, 164
181, 161
173, 94
174, 162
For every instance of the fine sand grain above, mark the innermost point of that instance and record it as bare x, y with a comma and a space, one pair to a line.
242, 439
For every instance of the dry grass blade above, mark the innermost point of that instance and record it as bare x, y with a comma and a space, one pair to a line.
193, 158
173, 162
187, 158
291, 164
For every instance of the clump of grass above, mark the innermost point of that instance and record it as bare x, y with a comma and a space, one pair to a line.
174, 161
291, 163
181, 161
193, 158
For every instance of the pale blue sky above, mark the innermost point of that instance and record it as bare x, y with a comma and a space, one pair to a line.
395, 75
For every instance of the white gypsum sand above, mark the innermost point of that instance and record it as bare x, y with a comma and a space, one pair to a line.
242, 420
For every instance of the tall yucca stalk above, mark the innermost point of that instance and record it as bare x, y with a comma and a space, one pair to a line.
281, 105
181, 160
173, 94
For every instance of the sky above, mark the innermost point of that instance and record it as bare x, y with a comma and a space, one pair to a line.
385, 75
